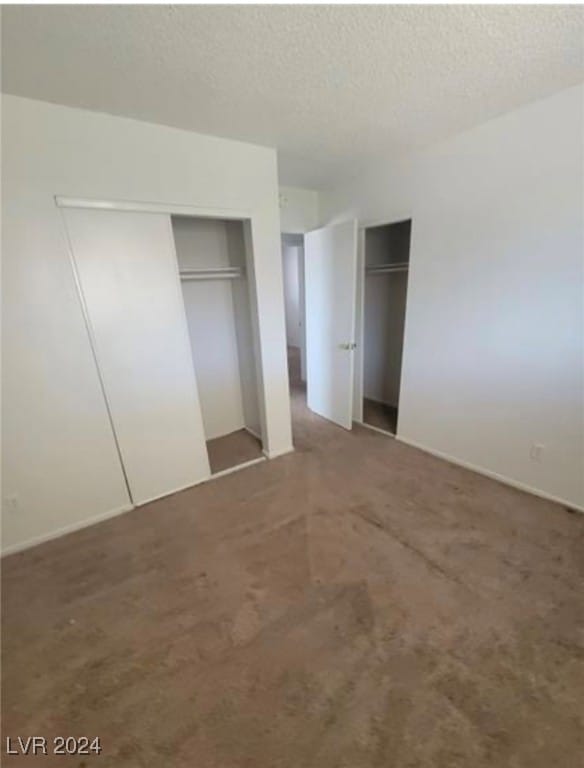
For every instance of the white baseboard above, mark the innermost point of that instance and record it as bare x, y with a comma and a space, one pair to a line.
275, 454
13, 548
190, 484
253, 433
492, 475
77, 526
237, 467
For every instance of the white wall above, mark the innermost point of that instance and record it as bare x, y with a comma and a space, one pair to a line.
59, 458
292, 294
209, 308
299, 211
494, 333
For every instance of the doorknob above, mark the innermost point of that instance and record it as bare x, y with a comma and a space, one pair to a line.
348, 346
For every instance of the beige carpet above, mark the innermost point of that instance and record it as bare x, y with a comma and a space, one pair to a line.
355, 604
233, 449
380, 415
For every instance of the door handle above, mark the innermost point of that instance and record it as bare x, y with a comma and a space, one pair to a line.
348, 346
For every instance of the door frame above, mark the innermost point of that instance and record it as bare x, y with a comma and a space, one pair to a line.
173, 209
176, 209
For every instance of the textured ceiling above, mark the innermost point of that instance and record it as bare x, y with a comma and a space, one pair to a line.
330, 86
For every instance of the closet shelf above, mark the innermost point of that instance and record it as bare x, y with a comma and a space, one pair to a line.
382, 269
212, 273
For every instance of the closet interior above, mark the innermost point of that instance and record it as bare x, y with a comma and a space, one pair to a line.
175, 359
212, 261
387, 254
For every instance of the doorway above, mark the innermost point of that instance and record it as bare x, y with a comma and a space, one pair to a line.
212, 261
294, 306
385, 281
346, 290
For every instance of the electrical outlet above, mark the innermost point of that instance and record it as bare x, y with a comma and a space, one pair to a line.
536, 452
12, 503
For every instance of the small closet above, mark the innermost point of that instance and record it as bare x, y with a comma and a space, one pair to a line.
211, 255
171, 313
385, 282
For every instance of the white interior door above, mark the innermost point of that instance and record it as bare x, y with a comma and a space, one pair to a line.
128, 276
330, 268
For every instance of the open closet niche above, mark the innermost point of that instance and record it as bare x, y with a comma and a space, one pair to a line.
213, 267
387, 255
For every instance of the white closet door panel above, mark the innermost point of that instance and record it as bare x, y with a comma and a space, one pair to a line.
128, 274
330, 267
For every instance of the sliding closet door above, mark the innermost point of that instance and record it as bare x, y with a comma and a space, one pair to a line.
330, 268
128, 276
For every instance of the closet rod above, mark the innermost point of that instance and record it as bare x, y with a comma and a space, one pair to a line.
381, 269
216, 273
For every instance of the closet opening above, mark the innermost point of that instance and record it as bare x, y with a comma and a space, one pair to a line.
214, 262
293, 274
385, 283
